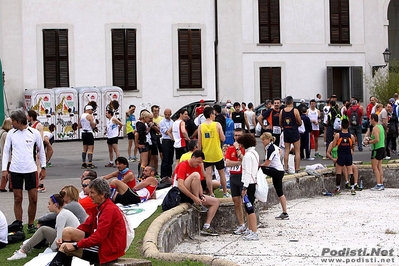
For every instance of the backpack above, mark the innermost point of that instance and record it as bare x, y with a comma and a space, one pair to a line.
335, 121
172, 199
15, 232
354, 117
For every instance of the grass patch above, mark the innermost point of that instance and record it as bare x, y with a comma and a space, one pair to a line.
133, 252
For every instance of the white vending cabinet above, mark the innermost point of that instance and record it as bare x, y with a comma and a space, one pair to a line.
112, 99
66, 113
42, 101
85, 96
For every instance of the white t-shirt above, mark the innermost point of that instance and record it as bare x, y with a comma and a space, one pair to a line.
249, 115
326, 109
3, 228
313, 116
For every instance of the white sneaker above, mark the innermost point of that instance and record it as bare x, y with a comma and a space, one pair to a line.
17, 255
240, 230
251, 237
387, 158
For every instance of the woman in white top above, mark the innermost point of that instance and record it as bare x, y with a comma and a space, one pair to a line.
251, 118
64, 219
273, 168
250, 165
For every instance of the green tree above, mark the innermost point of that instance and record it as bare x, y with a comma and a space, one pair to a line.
385, 82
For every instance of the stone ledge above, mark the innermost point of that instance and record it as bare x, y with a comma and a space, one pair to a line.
295, 186
131, 262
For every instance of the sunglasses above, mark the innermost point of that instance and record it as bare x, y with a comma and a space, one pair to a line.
85, 185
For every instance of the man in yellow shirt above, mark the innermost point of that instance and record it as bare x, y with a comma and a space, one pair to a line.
210, 134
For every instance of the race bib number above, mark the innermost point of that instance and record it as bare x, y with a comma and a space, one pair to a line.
236, 168
276, 130
265, 122
237, 125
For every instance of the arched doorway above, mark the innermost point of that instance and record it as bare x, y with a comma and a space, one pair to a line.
393, 29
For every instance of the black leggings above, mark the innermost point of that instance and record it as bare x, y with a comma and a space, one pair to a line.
277, 177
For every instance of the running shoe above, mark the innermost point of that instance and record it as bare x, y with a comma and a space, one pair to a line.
240, 230
283, 216
49, 164
252, 236
310, 159
31, 230
91, 166
200, 208
378, 188
130, 160
41, 189
109, 165
17, 255
337, 192
353, 191
227, 195
208, 231
84, 166
347, 185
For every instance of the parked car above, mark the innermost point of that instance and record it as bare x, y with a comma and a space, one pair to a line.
192, 106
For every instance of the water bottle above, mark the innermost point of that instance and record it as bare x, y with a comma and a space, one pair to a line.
112, 192
247, 203
361, 184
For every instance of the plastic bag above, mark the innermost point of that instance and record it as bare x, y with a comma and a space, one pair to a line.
262, 188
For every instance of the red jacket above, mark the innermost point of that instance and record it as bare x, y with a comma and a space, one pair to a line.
107, 230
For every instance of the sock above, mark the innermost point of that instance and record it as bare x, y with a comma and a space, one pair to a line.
379, 185
338, 187
83, 157
206, 226
90, 157
61, 259
338, 180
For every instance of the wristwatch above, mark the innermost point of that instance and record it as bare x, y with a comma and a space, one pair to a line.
75, 245
43, 168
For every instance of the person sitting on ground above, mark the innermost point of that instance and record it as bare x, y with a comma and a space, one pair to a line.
88, 172
145, 190
70, 195
3, 231
86, 201
64, 218
124, 173
101, 238
188, 175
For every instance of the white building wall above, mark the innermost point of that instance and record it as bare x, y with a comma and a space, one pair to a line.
304, 53
89, 23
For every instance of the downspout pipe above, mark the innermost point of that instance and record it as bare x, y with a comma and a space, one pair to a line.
216, 43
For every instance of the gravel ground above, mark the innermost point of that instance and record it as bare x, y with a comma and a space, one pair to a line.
333, 225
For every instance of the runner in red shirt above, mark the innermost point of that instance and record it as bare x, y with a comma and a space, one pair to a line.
200, 108
188, 175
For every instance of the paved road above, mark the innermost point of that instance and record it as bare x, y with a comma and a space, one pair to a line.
66, 170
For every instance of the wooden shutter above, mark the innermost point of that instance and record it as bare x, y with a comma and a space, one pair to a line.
357, 82
339, 21
269, 21
190, 66
55, 58
124, 63
270, 83
330, 81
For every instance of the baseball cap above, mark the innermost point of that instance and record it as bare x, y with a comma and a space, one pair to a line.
89, 107
302, 100
228, 105
391, 100
202, 100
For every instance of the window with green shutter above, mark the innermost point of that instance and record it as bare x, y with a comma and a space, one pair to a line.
270, 83
124, 59
190, 66
55, 58
339, 22
269, 21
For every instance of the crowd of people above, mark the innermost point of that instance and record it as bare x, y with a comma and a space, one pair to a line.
214, 149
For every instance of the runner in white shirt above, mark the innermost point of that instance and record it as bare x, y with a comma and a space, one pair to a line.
24, 142
314, 114
251, 118
112, 130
